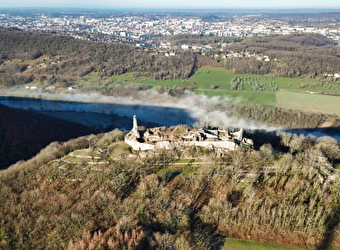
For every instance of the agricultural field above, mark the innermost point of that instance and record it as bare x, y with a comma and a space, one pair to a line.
206, 78
251, 89
320, 94
214, 79
308, 102
264, 98
130, 78
233, 244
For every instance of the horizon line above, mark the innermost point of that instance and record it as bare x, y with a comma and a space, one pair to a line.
183, 9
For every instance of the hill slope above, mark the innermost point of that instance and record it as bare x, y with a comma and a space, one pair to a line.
28, 56
93, 192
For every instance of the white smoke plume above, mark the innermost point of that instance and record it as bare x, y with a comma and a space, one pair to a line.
192, 109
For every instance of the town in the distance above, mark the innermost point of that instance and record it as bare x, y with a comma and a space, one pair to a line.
151, 28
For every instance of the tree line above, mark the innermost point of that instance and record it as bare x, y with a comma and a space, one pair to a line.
279, 116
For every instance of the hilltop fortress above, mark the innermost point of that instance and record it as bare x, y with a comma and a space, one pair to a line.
168, 138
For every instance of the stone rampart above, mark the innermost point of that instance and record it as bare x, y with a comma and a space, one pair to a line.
136, 145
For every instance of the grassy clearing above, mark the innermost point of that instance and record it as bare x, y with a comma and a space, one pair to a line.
204, 78
129, 78
264, 98
212, 78
183, 167
308, 102
85, 152
208, 77
74, 160
233, 244
309, 84
295, 83
93, 81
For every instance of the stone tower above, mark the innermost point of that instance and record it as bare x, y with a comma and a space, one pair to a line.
240, 136
135, 132
134, 121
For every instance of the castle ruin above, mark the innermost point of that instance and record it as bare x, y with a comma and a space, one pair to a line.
168, 138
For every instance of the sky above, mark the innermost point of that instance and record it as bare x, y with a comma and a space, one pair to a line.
174, 4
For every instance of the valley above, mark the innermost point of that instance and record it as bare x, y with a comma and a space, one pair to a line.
74, 178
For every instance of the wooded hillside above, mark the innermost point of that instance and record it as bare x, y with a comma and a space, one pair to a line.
297, 55
69, 58
27, 56
95, 193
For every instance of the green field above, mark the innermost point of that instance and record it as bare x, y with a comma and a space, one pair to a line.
308, 102
209, 81
212, 79
204, 78
249, 89
232, 244
264, 98
129, 78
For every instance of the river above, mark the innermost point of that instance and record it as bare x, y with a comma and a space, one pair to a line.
100, 114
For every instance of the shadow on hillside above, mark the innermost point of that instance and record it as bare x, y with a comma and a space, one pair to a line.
317, 132
24, 133
261, 137
333, 221
202, 235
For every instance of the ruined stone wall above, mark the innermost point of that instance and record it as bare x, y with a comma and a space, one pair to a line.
230, 145
139, 146
160, 142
